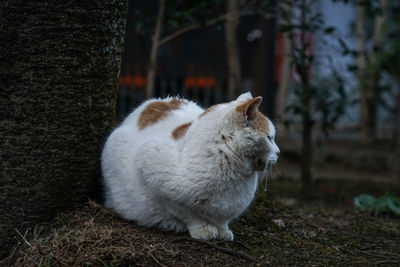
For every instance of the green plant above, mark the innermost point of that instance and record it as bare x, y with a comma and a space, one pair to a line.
386, 203
314, 101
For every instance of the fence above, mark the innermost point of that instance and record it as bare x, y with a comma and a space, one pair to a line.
203, 90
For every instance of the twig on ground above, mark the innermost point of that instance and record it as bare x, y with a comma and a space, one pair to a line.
154, 258
215, 246
233, 242
23, 237
59, 260
100, 260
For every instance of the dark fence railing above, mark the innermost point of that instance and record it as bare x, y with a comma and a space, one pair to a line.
204, 91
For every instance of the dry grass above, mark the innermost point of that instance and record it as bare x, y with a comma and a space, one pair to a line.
94, 236
269, 234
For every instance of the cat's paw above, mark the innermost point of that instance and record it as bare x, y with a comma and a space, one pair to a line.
225, 234
204, 232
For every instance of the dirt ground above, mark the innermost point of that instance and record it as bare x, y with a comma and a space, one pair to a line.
279, 229
340, 160
270, 233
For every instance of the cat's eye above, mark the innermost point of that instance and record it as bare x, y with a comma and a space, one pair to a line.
269, 138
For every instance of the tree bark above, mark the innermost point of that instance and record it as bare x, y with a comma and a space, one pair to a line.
398, 134
284, 80
397, 73
285, 72
306, 156
152, 64
232, 50
59, 71
306, 149
361, 68
306, 146
369, 74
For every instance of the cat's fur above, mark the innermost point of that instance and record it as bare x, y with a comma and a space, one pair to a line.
173, 165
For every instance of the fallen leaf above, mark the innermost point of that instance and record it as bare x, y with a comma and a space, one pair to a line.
280, 223
322, 230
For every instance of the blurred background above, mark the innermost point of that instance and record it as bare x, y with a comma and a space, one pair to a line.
328, 72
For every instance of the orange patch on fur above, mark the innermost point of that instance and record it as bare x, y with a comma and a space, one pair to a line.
156, 111
249, 107
260, 123
207, 110
180, 131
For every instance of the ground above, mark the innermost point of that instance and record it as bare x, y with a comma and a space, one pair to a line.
269, 233
279, 229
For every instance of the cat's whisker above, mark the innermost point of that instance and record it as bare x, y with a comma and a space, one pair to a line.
270, 169
265, 178
278, 171
266, 173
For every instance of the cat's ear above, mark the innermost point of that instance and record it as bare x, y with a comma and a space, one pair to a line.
249, 108
244, 96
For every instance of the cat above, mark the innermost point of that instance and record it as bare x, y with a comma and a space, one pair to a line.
173, 165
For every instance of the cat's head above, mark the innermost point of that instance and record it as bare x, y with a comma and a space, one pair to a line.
241, 122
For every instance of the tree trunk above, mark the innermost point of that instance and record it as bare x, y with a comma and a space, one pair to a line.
232, 50
369, 75
262, 69
306, 149
284, 80
306, 145
59, 70
152, 64
361, 68
398, 134
397, 73
306, 156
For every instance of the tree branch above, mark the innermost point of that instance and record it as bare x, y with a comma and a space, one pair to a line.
244, 13
189, 28
143, 42
387, 106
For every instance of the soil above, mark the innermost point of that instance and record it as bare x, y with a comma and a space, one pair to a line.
281, 228
299, 232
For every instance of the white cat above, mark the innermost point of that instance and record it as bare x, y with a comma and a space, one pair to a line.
173, 165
